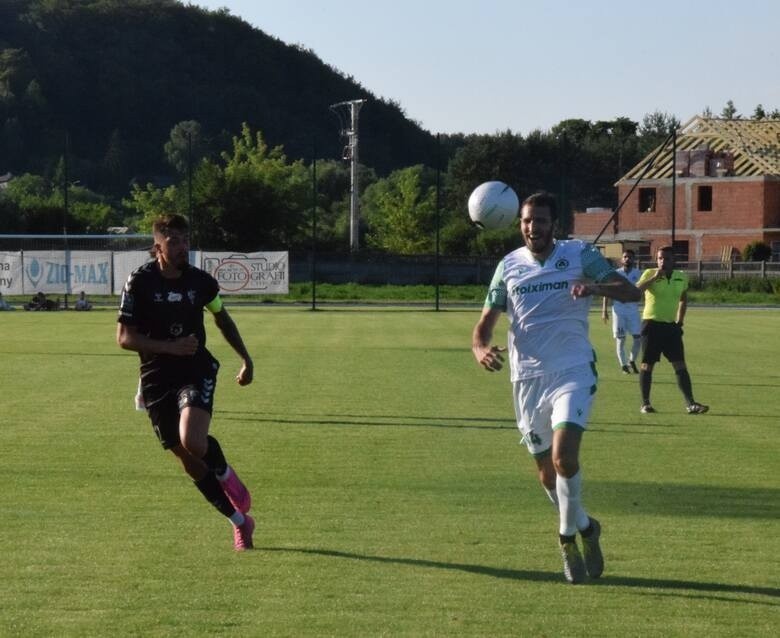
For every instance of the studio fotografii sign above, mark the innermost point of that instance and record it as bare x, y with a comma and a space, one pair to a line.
249, 273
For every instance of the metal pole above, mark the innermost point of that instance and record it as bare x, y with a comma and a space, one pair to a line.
354, 201
438, 215
313, 228
674, 185
65, 179
196, 230
352, 155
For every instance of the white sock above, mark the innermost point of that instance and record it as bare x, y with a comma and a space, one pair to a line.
553, 496
573, 514
636, 346
621, 350
237, 518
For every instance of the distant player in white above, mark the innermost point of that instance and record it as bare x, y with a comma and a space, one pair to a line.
543, 288
625, 317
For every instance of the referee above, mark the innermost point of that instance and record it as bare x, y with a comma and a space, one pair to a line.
666, 300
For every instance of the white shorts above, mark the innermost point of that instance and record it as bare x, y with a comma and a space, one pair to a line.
626, 324
552, 401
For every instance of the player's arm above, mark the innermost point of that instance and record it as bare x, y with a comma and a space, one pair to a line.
489, 357
682, 308
648, 278
129, 338
613, 286
607, 282
229, 330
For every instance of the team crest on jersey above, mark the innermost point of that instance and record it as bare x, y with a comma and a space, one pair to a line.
174, 297
562, 264
191, 296
158, 297
176, 329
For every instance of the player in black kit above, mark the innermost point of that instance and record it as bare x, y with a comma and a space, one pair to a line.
161, 318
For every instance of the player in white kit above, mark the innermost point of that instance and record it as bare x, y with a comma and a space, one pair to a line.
625, 317
544, 288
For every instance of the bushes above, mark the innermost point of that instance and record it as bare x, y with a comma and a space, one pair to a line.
756, 251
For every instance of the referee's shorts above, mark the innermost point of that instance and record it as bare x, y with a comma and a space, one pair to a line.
661, 338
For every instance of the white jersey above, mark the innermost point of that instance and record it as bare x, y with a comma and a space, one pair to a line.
625, 308
548, 327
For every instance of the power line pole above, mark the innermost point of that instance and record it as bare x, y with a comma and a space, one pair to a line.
351, 154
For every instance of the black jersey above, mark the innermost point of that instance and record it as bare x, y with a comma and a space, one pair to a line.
163, 308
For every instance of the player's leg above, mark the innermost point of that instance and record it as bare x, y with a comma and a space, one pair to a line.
194, 425
571, 408
619, 334
651, 354
207, 447
676, 355
634, 328
533, 421
636, 346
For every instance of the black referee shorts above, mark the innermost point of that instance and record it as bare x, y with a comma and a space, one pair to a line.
661, 338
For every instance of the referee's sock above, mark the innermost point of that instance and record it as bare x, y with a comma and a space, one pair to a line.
684, 383
645, 381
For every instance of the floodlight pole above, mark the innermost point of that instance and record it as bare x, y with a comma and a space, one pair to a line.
351, 153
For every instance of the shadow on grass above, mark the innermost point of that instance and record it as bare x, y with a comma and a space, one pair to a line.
538, 576
367, 420
675, 499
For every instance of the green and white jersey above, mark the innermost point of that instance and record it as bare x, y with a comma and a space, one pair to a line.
548, 328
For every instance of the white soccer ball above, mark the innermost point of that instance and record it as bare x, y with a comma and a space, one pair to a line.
493, 205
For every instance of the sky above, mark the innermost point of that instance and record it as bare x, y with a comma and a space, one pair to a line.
458, 66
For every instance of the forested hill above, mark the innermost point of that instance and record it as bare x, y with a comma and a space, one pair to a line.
117, 75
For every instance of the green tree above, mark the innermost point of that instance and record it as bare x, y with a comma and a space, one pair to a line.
400, 212
266, 198
185, 146
729, 111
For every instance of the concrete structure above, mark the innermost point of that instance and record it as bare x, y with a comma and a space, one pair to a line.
726, 176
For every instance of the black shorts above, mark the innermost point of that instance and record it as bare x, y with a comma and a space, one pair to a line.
165, 411
661, 338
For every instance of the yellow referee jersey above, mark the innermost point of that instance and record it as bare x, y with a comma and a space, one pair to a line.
663, 296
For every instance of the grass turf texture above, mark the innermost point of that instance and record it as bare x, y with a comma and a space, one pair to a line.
391, 494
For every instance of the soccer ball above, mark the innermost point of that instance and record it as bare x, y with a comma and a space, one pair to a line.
493, 205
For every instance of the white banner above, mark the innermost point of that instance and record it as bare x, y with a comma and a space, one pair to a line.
261, 273
124, 264
67, 272
11, 273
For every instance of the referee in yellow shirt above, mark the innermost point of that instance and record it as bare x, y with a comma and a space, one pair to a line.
666, 300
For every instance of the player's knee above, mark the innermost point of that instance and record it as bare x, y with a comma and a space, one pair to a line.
195, 445
566, 465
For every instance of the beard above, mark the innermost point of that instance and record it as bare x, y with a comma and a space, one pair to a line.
540, 243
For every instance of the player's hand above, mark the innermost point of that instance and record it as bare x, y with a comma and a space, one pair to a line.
245, 374
490, 358
183, 346
581, 290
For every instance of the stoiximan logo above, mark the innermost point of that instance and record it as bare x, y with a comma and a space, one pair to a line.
562, 264
543, 287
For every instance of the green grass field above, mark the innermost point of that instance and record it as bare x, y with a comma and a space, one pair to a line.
391, 494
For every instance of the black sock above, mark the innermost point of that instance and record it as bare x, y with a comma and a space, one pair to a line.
645, 381
587, 531
567, 539
684, 383
214, 457
210, 488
